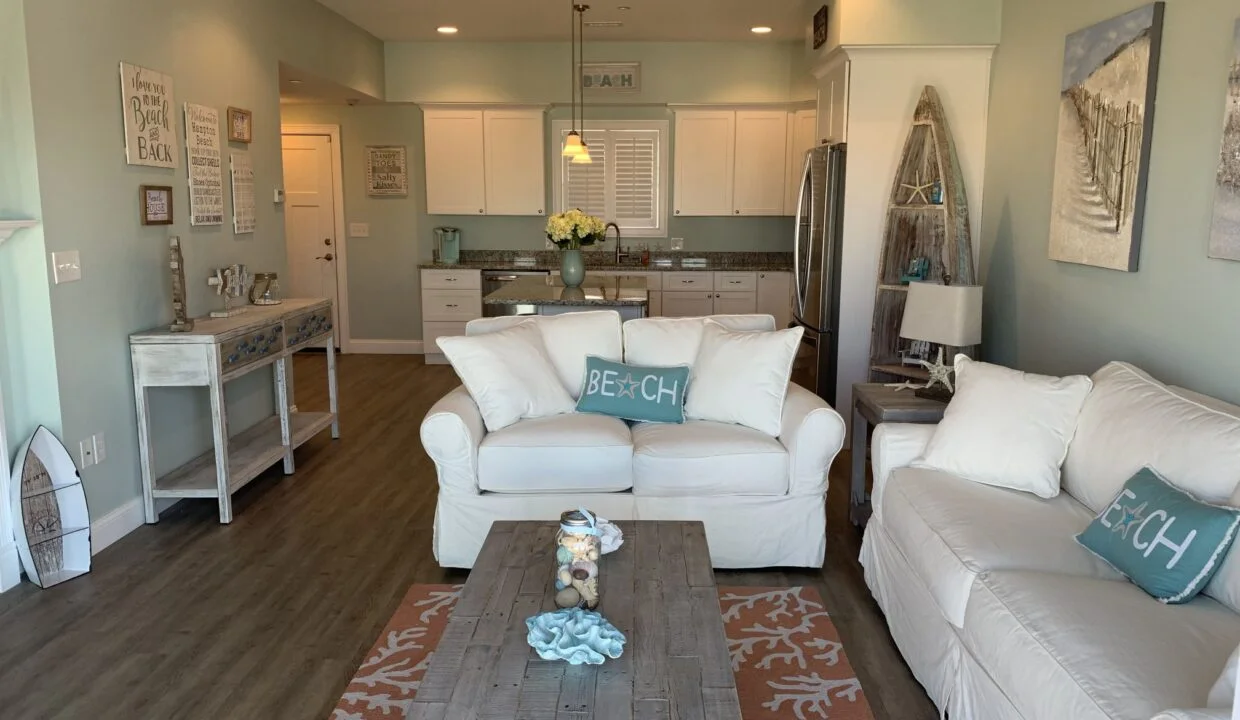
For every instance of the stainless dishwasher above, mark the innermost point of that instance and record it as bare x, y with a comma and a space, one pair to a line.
493, 280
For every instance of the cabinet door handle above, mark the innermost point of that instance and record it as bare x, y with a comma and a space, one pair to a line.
762, 275
734, 282
451, 305
738, 212
677, 212
451, 279
687, 282
481, 211
540, 212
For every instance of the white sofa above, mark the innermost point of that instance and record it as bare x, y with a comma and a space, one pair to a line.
1002, 615
761, 498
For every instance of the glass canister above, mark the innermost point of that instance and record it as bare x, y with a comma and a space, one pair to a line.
265, 290
577, 551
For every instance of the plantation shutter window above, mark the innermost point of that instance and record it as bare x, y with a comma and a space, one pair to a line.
627, 182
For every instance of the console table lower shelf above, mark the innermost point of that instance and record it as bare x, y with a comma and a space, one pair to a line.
216, 351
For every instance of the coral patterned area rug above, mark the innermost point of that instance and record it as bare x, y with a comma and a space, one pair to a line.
786, 654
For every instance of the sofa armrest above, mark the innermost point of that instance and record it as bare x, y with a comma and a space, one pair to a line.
813, 434
1197, 714
451, 434
894, 445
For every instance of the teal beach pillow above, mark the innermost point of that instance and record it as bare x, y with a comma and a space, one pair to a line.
629, 392
1166, 541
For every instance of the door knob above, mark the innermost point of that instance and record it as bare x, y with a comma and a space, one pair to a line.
328, 257
327, 241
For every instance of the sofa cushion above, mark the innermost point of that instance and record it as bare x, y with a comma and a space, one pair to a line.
565, 453
1062, 646
569, 338
675, 341
951, 530
1131, 420
707, 458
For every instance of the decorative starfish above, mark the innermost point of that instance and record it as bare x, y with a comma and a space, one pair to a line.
940, 374
918, 189
628, 386
1131, 516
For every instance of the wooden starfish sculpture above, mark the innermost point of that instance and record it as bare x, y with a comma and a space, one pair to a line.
918, 189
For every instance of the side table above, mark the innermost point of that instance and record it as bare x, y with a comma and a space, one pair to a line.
875, 403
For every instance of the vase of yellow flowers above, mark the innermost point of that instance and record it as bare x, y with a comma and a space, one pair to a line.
570, 231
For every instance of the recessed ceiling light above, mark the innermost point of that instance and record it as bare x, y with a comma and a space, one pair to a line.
760, 30
447, 29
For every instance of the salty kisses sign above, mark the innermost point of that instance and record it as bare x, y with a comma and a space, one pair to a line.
146, 96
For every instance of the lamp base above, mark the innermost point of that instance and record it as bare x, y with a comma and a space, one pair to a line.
938, 392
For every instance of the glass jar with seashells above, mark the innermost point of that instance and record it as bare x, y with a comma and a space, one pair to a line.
578, 547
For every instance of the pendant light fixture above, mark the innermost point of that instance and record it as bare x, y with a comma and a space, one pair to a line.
583, 156
572, 141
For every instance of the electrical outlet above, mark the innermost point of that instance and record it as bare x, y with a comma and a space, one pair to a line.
678, 243
359, 230
66, 266
101, 448
86, 452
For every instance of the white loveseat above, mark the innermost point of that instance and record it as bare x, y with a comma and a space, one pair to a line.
761, 498
1003, 616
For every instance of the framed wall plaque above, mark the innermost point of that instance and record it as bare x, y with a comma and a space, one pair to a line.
156, 203
820, 27
387, 174
240, 125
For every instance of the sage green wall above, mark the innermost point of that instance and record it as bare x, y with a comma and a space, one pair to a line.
27, 352
1176, 316
219, 53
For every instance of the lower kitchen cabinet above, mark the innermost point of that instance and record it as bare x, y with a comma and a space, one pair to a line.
693, 303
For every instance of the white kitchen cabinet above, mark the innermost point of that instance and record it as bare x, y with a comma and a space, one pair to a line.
735, 303
704, 156
455, 162
760, 174
450, 298
696, 303
802, 137
485, 162
774, 297
514, 162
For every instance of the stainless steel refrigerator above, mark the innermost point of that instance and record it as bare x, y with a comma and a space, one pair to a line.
818, 244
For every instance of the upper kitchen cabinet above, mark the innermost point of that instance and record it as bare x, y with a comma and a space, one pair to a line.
761, 162
484, 162
802, 137
703, 159
514, 162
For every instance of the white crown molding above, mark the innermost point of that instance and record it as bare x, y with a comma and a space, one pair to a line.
8, 227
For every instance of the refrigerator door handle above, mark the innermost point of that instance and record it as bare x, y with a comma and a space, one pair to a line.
801, 283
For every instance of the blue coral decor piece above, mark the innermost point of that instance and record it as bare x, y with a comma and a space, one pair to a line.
575, 635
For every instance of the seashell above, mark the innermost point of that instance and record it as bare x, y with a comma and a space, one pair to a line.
563, 555
584, 570
580, 637
592, 555
565, 576
568, 598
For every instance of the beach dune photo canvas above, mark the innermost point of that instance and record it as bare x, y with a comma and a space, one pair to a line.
1225, 231
1106, 113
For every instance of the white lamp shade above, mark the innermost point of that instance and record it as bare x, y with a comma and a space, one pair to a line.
944, 314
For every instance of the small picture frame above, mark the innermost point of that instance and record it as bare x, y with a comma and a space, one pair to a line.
156, 204
820, 26
240, 125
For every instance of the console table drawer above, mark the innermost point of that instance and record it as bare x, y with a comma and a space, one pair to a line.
451, 304
301, 329
251, 347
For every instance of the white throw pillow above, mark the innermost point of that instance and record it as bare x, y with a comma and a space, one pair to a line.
508, 374
568, 338
1007, 428
665, 342
742, 377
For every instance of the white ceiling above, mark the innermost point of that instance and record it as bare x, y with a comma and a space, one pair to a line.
543, 20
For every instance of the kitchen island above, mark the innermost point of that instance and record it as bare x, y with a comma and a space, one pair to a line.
534, 295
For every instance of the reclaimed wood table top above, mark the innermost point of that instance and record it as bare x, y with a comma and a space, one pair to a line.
658, 589
883, 403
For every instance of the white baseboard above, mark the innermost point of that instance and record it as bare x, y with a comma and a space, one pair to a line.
385, 347
116, 525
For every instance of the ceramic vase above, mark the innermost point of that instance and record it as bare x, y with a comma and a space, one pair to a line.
572, 268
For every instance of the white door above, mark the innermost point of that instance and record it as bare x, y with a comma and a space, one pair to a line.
761, 162
310, 220
455, 162
705, 146
688, 304
515, 162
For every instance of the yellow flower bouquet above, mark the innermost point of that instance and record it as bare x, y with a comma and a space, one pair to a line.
573, 229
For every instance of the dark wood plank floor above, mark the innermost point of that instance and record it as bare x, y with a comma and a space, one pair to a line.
269, 617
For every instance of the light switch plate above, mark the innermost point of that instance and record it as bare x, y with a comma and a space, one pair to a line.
86, 453
66, 266
101, 448
359, 229
278, 196
678, 243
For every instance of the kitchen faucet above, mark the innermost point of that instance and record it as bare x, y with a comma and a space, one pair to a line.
621, 255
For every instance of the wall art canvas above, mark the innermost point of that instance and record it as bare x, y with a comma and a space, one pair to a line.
242, 193
1225, 231
146, 97
387, 173
206, 165
1106, 117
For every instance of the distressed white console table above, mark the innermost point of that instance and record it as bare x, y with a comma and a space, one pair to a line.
216, 351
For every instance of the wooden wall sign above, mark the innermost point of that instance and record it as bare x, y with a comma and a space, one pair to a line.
156, 204
150, 138
820, 26
206, 165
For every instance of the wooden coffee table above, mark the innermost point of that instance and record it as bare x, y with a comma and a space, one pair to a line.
658, 589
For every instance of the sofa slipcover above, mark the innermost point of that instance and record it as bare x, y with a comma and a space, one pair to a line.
561, 453
707, 458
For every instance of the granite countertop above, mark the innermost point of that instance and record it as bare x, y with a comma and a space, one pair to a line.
616, 291
605, 261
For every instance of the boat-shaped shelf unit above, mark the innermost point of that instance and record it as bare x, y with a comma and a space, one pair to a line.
49, 512
927, 217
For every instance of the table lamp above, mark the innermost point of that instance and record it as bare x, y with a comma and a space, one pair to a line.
946, 315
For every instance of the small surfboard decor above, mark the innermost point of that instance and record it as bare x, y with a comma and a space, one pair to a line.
53, 534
